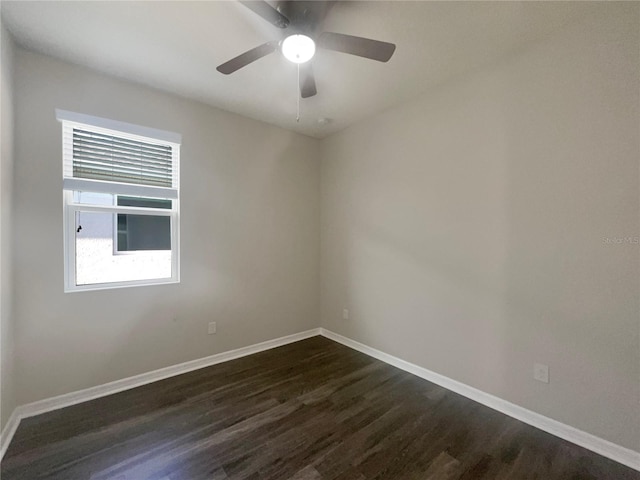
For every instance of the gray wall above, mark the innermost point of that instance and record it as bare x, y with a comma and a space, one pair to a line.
466, 231
7, 400
249, 237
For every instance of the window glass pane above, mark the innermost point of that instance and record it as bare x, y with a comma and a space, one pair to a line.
97, 259
93, 198
144, 202
143, 232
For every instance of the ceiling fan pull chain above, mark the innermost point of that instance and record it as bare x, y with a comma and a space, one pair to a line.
298, 93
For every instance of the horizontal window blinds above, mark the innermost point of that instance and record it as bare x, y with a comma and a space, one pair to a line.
108, 156
101, 156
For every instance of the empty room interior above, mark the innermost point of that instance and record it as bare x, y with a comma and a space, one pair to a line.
320, 240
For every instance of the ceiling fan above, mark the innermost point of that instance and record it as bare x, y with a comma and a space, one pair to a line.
303, 19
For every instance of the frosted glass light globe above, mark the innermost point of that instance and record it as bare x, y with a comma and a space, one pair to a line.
298, 48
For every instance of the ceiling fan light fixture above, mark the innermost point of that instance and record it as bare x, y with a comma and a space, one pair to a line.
298, 48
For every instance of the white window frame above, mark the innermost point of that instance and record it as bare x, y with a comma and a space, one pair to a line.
70, 208
116, 232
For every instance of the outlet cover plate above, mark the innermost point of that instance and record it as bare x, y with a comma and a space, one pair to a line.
541, 372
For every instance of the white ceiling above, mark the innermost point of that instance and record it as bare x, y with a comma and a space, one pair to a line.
176, 46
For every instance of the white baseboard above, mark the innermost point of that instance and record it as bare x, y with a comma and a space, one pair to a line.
8, 431
598, 445
73, 398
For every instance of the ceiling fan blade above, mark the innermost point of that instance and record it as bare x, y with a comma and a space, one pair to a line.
307, 81
362, 47
267, 12
247, 57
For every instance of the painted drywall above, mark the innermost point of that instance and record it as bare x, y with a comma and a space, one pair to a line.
7, 400
249, 237
494, 223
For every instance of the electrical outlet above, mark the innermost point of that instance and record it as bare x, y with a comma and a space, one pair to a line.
541, 372
212, 328
345, 314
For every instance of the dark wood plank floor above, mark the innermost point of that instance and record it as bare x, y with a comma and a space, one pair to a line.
312, 410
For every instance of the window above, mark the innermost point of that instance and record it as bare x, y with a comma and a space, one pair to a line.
121, 203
